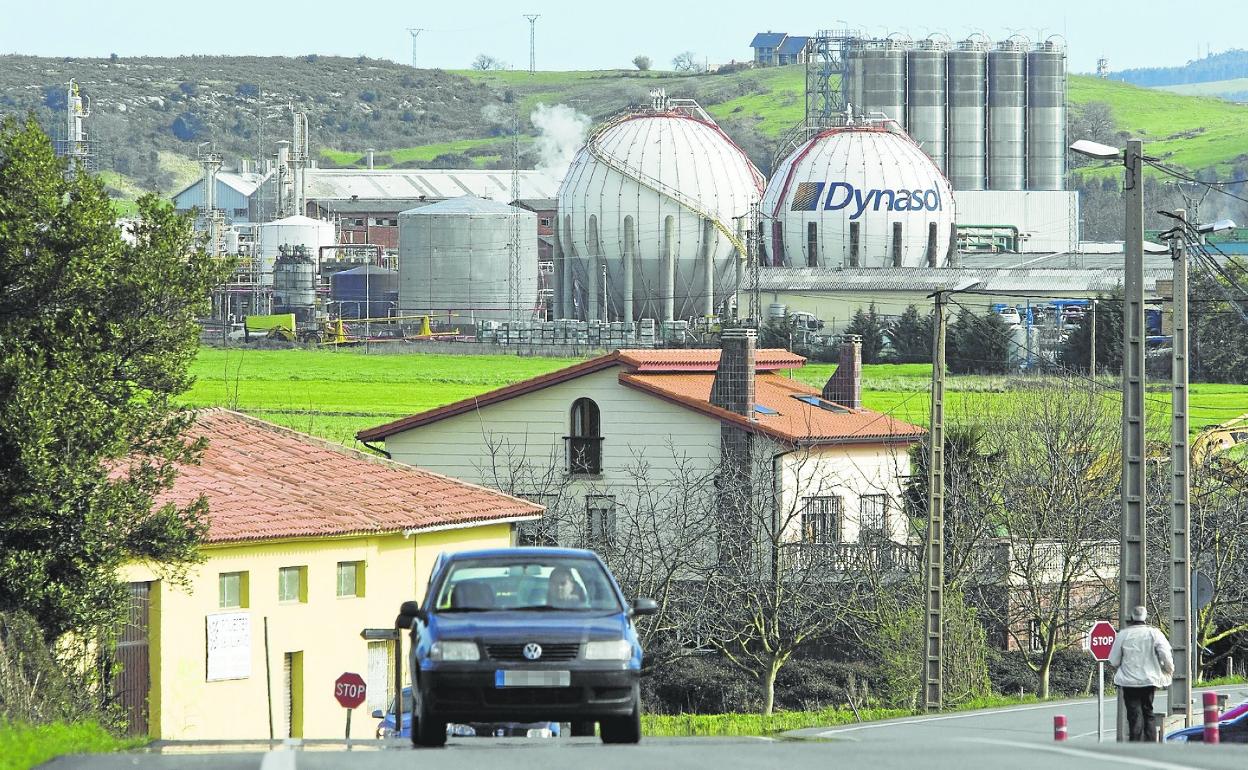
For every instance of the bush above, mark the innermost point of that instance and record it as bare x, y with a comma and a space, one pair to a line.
187, 126
35, 686
1073, 673
642, 63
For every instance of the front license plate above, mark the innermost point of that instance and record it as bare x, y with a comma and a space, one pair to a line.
516, 678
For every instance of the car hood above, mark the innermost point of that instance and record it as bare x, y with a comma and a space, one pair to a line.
529, 626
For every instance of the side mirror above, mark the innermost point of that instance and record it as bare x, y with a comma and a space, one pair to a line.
409, 611
645, 606
377, 714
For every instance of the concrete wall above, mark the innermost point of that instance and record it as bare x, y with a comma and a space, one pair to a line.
325, 629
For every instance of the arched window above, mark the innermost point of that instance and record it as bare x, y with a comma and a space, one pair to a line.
584, 439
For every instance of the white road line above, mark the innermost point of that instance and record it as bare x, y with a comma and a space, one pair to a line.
1100, 756
279, 759
962, 715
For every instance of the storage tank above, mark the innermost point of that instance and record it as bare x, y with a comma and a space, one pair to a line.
967, 83
291, 231
294, 282
879, 67
655, 199
1046, 116
364, 291
860, 196
1007, 103
455, 261
925, 97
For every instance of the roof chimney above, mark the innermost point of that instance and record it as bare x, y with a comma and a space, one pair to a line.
845, 385
733, 388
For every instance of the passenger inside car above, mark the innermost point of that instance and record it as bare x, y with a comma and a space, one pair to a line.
563, 592
472, 595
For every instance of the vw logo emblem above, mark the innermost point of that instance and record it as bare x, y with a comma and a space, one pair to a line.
532, 650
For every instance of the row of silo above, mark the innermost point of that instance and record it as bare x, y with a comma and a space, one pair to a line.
990, 116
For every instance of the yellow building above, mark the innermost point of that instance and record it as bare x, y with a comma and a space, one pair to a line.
308, 544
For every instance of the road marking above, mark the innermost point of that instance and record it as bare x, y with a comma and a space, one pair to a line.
963, 715
1083, 754
279, 759
1092, 732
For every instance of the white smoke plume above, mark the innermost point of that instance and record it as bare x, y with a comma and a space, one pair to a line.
561, 131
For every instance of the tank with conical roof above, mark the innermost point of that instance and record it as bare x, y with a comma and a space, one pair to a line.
455, 261
861, 195
655, 201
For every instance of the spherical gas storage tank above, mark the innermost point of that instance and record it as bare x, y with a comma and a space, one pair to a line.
858, 196
289, 232
455, 261
658, 198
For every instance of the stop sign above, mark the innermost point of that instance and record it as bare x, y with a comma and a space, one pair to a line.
350, 689
1101, 639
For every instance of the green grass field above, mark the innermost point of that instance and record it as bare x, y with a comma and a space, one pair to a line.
335, 393
427, 152
24, 746
1208, 88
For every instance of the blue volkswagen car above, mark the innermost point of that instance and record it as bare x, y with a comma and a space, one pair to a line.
525, 635
386, 729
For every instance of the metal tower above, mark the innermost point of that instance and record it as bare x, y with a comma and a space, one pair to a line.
532, 17
76, 146
415, 33
214, 219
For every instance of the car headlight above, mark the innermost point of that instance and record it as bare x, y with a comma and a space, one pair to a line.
538, 732
446, 651
616, 649
384, 732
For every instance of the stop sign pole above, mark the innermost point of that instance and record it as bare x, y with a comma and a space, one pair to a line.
349, 691
1100, 642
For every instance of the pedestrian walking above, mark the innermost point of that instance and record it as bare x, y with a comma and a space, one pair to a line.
1141, 653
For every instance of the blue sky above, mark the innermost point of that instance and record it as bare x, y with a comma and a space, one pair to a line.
592, 34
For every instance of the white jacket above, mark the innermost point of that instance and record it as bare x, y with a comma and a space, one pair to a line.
1141, 653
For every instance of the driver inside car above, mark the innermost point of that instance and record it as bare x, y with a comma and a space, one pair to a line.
563, 592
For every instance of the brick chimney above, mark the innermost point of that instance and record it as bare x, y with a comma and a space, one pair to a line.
844, 387
733, 388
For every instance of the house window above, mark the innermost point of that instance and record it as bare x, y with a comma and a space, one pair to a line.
359, 222
584, 442
821, 519
292, 584
872, 516
240, 213
350, 578
1035, 639
232, 590
599, 520
545, 222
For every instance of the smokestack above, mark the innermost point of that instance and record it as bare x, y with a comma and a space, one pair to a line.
844, 387
733, 388
369, 151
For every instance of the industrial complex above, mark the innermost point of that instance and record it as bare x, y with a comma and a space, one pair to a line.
919, 164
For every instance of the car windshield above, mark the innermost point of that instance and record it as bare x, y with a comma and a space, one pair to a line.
407, 703
527, 583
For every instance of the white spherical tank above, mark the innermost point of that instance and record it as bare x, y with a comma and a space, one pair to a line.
657, 198
291, 231
858, 196
455, 261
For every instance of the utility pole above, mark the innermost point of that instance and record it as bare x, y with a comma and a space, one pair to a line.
415, 33
1133, 542
934, 653
532, 17
1092, 358
1180, 697
606, 301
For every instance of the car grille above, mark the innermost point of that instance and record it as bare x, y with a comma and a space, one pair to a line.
534, 696
550, 652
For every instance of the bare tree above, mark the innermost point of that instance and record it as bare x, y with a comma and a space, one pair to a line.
485, 62
642, 63
688, 61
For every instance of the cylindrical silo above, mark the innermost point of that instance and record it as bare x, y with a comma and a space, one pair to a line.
1046, 116
290, 232
364, 291
455, 261
883, 65
967, 83
294, 282
860, 196
1007, 113
925, 98
653, 199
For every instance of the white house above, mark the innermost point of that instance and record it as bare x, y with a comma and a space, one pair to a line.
601, 424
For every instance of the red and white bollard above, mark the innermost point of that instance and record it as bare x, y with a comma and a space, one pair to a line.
1059, 727
1211, 717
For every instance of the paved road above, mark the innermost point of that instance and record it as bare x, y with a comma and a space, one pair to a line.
1017, 737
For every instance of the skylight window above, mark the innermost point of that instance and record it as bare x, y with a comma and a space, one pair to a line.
764, 409
819, 402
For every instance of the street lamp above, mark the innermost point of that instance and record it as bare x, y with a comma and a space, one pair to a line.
1133, 533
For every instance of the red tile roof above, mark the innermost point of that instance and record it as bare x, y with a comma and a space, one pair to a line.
794, 421
685, 377
264, 481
